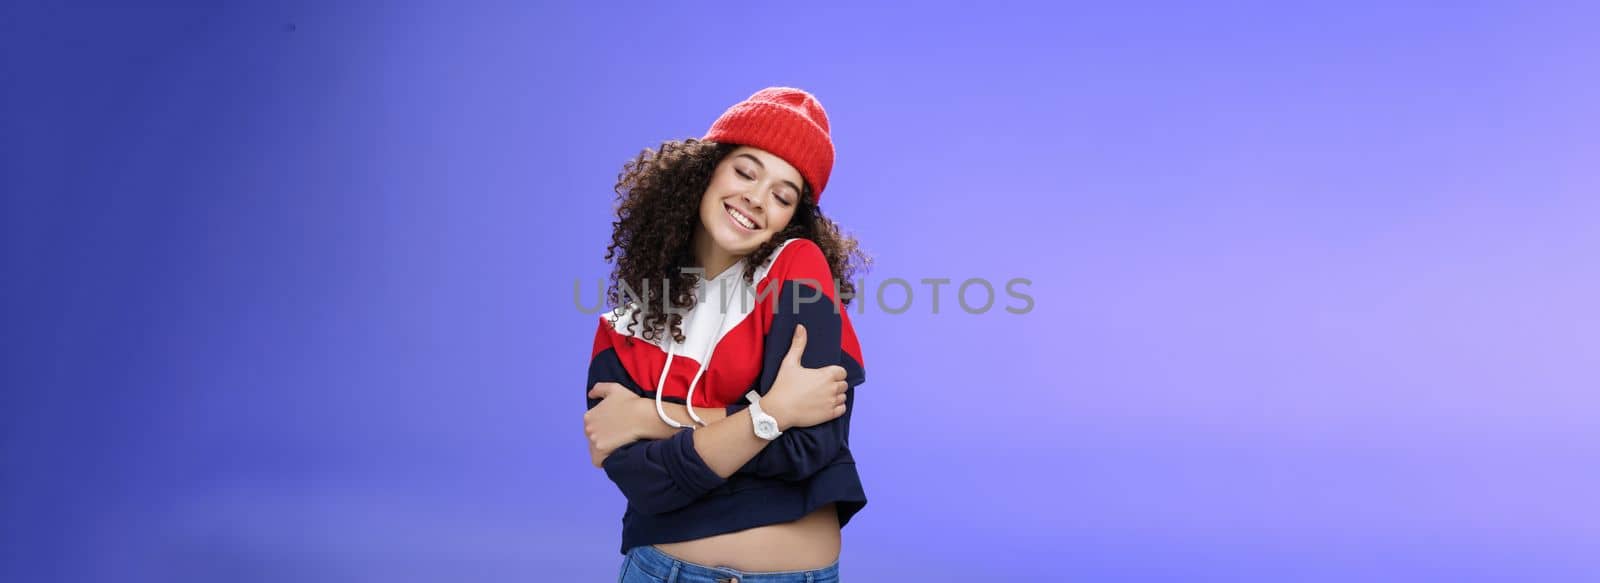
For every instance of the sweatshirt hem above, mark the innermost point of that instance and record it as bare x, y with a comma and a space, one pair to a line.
747, 502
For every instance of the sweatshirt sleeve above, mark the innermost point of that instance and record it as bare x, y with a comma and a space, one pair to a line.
655, 476
803, 300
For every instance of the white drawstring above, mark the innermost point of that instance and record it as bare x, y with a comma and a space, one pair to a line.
705, 364
661, 386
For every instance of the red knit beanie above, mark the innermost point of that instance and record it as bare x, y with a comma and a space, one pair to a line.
787, 122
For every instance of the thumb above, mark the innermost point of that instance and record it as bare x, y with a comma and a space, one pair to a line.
798, 346
600, 391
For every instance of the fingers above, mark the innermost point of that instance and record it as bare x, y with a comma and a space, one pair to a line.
603, 390
594, 452
598, 453
798, 346
841, 397
835, 372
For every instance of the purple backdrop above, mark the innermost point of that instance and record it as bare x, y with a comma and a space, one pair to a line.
289, 289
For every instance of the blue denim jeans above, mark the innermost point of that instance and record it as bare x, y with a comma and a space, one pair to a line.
647, 564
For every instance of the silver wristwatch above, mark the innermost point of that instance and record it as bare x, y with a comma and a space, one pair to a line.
766, 427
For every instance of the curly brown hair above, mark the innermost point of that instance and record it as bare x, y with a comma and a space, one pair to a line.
658, 208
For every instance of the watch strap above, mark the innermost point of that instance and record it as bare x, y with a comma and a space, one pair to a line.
759, 416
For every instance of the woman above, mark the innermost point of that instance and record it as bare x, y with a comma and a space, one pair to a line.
720, 386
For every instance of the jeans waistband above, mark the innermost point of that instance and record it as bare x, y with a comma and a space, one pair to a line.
674, 570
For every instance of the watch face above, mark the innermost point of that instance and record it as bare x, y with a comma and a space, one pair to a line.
766, 427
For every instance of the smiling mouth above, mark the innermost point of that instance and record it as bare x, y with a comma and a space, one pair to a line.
744, 222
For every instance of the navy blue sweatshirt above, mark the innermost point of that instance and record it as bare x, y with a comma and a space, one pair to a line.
736, 336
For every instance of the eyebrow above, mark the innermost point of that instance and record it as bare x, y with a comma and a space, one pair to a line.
791, 184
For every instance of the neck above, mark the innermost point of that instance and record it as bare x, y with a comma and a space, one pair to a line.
708, 256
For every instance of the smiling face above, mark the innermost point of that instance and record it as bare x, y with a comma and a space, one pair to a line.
751, 198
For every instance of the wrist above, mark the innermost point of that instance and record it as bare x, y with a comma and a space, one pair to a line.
647, 424
775, 409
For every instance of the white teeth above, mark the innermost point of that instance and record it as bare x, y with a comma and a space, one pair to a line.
741, 219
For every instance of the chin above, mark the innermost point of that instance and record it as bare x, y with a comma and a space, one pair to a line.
739, 243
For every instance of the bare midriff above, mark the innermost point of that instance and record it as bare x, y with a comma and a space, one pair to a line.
812, 542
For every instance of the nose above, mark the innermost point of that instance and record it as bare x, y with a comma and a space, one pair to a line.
755, 198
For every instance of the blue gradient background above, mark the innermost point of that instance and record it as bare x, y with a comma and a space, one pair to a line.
289, 287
